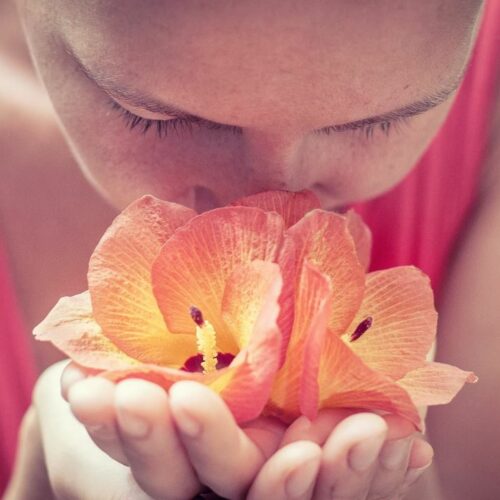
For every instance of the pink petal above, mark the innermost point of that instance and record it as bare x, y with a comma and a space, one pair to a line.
291, 206
71, 327
161, 375
287, 263
295, 389
401, 304
346, 382
248, 391
196, 262
435, 383
362, 237
323, 239
120, 282
244, 295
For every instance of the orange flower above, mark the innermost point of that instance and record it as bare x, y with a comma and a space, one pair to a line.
358, 340
178, 296
231, 296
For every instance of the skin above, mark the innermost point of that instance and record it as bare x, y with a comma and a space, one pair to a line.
306, 67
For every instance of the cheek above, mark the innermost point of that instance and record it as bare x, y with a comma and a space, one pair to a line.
361, 168
124, 164
173, 172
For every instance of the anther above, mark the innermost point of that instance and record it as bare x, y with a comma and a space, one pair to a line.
361, 328
196, 315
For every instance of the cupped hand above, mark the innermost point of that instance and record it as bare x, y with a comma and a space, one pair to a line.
54, 443
177, 442
172, 450
365, 456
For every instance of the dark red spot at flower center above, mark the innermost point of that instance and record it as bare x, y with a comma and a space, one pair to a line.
196, 315
193, 364
361, 328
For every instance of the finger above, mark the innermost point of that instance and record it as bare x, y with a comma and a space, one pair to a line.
267, 434
421, 456
92, 403
76, 467
71, 374
317, 430
289, 474
224, 457
391, 470
398, 427
349, 457
150, 442
393, 458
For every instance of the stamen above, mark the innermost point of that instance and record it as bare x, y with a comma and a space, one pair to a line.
361, 328
206, 340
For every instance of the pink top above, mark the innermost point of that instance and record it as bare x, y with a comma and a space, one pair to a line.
17, 370
415, 223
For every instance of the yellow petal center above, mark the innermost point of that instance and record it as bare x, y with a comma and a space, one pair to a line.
206, 340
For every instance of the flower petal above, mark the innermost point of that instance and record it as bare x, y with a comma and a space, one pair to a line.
286, 261
362, 237
295, 389
71, 327
255, 367
401, 305
323, 239
161, 375
291, 206
194, 264
120, 282
244, 295
346, 382
245, 384
435, 383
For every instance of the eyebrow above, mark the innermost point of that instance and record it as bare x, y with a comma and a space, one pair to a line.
149, 103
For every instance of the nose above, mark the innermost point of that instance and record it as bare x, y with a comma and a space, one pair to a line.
274, 161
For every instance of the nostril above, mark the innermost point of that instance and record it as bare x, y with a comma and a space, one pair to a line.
204, 199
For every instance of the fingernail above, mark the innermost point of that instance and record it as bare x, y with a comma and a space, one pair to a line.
298, 430
302, 423
364, 454
132, 425
413, 474
104, 432
98, 429
301, 480
188, 425
394, 453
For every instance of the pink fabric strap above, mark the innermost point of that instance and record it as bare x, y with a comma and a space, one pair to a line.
17, 370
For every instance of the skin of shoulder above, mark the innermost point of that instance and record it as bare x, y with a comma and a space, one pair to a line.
469, 337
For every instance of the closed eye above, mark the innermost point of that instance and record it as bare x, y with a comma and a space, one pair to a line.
177, 125
163, 127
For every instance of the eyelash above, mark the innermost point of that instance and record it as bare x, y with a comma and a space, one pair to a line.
368, 130
133, 121
162, 127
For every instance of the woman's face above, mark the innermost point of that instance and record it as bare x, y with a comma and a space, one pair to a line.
339, 97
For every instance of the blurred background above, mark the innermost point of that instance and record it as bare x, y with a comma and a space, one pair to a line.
43, 196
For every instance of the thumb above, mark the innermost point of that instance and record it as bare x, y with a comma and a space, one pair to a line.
73, 373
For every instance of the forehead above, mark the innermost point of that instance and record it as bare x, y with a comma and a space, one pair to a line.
266, 59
